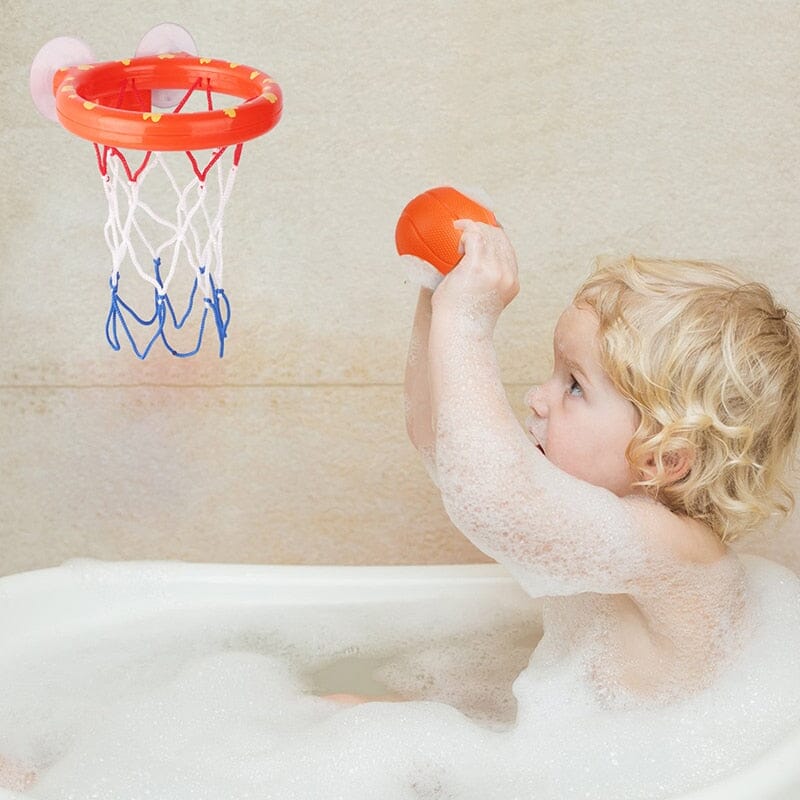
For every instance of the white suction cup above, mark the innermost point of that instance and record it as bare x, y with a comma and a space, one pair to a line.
167, 38
63, 51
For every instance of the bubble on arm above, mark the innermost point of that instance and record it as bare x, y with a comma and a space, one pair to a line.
557, 534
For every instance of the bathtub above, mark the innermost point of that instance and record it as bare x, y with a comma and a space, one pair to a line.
83, 596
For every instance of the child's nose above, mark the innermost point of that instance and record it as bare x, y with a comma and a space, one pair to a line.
535, 400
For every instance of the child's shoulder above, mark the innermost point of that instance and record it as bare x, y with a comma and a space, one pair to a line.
672, 536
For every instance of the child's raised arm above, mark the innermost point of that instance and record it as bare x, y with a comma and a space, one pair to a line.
557, 534
417, 385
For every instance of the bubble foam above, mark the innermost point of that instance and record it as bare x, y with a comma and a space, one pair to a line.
194, 705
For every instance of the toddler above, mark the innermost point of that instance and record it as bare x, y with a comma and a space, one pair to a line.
663, 433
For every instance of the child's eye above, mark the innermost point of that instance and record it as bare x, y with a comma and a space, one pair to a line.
575, 388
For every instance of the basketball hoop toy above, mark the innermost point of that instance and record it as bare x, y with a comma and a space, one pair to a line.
165, 212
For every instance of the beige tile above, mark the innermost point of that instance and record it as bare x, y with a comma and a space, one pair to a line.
646, 151
319, 475
284, 475
594, 127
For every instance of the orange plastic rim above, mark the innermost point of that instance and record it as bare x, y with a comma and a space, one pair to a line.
109, 103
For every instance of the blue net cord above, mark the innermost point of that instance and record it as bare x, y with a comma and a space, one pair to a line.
165, 320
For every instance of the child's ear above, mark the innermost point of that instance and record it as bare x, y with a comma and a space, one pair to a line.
677, 464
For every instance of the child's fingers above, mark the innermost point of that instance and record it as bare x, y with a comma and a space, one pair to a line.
487, 268
469, 229
461, 225
465, 225
476, 235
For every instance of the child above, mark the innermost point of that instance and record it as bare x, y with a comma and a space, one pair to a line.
663, 433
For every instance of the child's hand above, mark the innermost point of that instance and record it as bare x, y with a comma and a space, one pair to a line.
486, 279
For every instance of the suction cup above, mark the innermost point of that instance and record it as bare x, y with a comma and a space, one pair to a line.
63, 51
168, 37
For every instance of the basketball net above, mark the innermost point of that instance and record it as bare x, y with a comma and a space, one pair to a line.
172, 241
167, 176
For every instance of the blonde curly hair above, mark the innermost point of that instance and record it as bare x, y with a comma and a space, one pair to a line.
712, 364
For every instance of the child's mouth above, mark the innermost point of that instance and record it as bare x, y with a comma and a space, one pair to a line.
529, 427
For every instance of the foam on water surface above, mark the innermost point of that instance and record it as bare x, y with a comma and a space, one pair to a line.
194, 704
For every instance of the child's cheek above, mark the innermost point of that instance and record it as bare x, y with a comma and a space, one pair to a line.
565, 450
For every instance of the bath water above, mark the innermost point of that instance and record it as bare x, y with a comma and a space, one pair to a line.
208, 704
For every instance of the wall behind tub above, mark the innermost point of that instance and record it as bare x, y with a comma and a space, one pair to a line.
596, 127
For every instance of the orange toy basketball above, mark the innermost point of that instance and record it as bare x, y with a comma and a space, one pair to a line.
425, 228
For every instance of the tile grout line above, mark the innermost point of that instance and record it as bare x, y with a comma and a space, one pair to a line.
82, 386
59, 386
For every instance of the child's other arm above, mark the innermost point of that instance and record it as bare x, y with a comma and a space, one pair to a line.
417, 385
557, 534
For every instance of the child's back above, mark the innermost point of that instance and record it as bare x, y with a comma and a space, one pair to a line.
594, 735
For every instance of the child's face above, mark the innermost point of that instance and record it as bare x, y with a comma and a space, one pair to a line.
582, 423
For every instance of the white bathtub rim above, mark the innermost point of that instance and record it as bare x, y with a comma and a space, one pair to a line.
92, 592
184, 572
